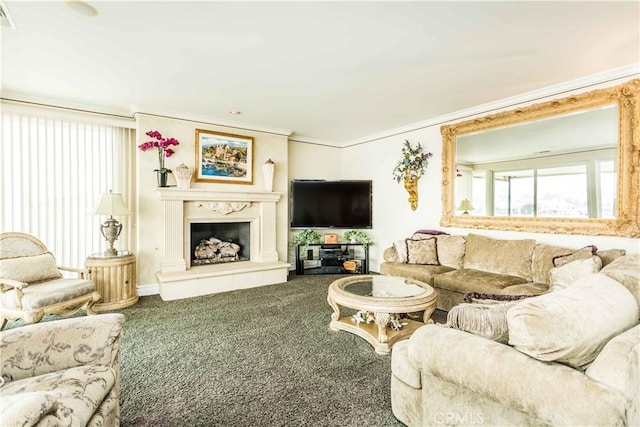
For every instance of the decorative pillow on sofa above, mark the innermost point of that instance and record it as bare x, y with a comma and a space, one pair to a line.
451, 250
390, 255
561, 277
610, 255
422, 251
572, 325
401, 250
30, 269
471, 297
586, 252
429, 232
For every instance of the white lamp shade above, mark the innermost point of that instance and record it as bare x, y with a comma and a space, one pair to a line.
465, 205
111, 204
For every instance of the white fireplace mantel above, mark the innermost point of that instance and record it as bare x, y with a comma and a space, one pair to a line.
264, 267
197, 194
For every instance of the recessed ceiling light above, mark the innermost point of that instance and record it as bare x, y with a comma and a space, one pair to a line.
81, 7
235, 112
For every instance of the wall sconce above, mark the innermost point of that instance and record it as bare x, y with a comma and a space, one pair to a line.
465, 206
111, 204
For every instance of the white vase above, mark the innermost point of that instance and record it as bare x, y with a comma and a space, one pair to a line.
183, 175
268, 168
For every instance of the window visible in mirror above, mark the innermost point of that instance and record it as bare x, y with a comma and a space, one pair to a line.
562, 192
514, 194
608, 180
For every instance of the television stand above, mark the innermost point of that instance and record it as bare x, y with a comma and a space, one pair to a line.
340, 258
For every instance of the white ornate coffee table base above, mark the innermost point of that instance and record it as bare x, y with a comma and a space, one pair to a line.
388, 295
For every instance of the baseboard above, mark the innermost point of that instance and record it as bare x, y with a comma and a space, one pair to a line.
147, 290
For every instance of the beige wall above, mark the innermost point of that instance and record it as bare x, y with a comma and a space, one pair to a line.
149, 227
312, 161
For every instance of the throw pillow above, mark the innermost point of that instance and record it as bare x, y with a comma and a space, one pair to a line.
422, 251
572, 325
610, 255
561, 277
390, 255
586, 252
486, 320
471, 297
401, 249
430, 232
451, 250
30, 269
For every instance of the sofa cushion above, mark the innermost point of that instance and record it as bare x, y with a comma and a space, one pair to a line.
49, 293
406, 372
572, 325
451, 250
464, 280
423, 273
77, 392
488, 320
586, 252
30, 269
25, 409
561, 277
422, 251
625, 270
510, 257
622, 350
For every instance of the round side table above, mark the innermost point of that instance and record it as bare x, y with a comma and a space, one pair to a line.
115, 278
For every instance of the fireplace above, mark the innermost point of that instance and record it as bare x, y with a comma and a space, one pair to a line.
219, 242
192, 215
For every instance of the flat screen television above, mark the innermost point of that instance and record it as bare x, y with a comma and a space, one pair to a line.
331, 204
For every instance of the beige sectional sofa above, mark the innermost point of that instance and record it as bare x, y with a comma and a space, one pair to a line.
455, 265
62, 373
571, 358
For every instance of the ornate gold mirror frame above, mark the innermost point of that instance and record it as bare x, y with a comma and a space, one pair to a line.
627, 97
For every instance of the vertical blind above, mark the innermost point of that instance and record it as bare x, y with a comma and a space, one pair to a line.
52, 172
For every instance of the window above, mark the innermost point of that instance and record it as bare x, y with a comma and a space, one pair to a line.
54, 167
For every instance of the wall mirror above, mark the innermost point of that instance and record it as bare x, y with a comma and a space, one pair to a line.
569, 165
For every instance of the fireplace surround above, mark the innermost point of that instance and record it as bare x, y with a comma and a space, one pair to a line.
184, 207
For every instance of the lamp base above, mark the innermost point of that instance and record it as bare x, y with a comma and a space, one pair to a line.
111, 252
111, 230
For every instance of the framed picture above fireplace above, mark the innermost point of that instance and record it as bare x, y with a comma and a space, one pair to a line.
223, 157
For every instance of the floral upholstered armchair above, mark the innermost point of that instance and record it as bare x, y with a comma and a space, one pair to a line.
62, 373
31, 284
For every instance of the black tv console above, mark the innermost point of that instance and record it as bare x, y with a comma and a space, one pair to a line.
320, 258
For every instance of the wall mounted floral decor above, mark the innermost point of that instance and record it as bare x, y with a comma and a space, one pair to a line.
164, 150
411, 166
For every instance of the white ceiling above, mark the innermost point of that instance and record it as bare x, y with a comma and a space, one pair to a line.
327, 71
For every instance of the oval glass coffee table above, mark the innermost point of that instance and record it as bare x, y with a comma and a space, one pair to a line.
380, 296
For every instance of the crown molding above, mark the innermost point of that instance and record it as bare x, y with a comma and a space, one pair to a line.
213, 121
314, 141
608, 78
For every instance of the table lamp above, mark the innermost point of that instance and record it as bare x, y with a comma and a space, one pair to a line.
465, 206
111, 204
